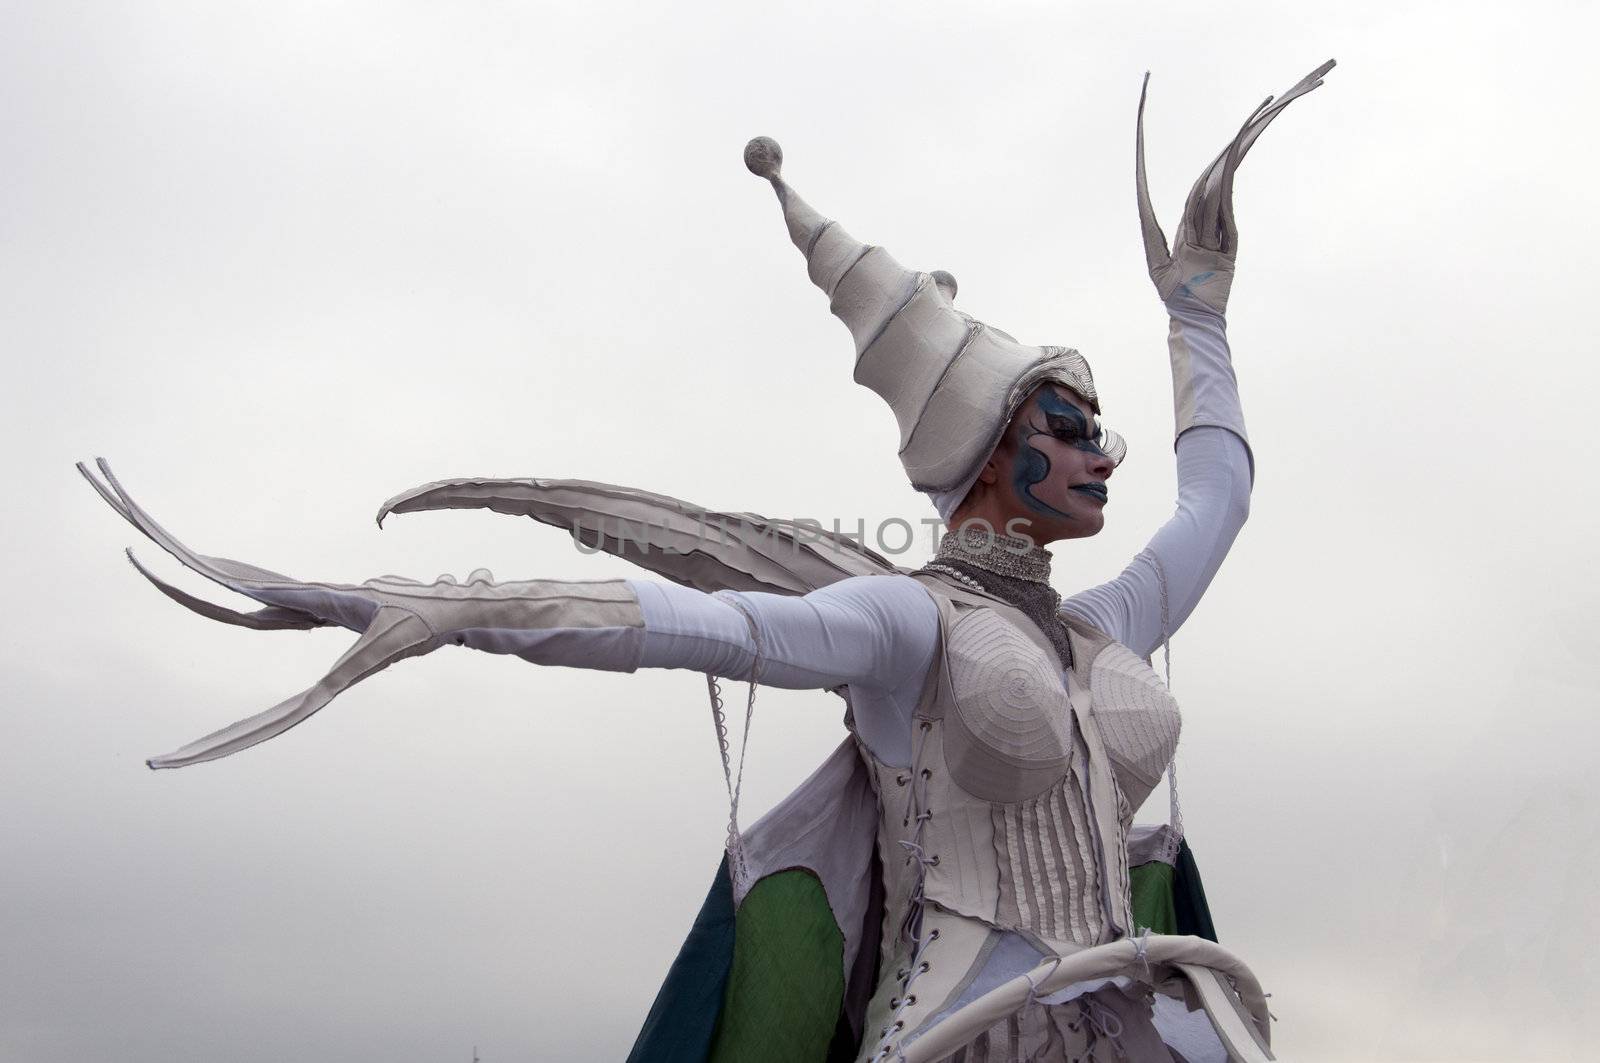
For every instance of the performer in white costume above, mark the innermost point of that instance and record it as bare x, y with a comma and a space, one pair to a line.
1008, 734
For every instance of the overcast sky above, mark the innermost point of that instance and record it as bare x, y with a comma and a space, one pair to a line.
279, 262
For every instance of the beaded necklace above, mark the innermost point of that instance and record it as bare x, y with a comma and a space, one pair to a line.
1010, 568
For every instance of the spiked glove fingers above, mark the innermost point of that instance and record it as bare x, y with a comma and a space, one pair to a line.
1200, 261
592, 623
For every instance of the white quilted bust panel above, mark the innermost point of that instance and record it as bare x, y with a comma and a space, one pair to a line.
1011, 732
1137, 718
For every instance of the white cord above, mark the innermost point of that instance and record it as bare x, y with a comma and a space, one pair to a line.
737, 868
1174, 808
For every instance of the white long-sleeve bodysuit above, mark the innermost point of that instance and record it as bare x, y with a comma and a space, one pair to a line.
878, 634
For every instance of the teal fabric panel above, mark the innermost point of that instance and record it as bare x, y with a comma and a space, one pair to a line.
683, 1018
1189, 897
786, 986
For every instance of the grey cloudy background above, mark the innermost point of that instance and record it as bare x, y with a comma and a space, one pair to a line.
281, 261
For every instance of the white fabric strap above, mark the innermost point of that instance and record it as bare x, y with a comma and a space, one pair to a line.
1239, 1034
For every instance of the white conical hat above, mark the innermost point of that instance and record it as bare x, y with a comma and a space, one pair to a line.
952, 382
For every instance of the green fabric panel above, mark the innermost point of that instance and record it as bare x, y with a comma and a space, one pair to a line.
1152, 897
787, 983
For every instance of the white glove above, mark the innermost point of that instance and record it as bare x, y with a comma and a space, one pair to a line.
1200, 263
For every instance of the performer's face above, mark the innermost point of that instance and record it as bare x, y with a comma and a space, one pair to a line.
1049, 468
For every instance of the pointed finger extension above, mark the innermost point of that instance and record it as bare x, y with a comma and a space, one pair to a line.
1156, 254
393, 635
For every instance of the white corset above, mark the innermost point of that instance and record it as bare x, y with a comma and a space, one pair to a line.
1015, 813
1009, 731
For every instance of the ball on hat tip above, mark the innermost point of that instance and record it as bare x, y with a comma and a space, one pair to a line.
763, 157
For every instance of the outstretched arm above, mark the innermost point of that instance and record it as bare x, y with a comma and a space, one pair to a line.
1162, 585
872, 632
875, 634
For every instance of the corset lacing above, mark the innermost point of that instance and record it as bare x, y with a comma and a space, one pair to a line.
911, 929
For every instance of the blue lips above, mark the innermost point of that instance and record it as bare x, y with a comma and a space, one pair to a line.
1095, 490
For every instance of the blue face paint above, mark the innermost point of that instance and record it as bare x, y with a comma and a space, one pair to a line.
1064, 421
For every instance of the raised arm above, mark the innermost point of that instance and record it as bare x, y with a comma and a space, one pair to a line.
875, 634
1214, 475
1162, 585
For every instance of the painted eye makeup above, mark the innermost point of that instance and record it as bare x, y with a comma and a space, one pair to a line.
1064, 421
1064, 428
1097, 442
